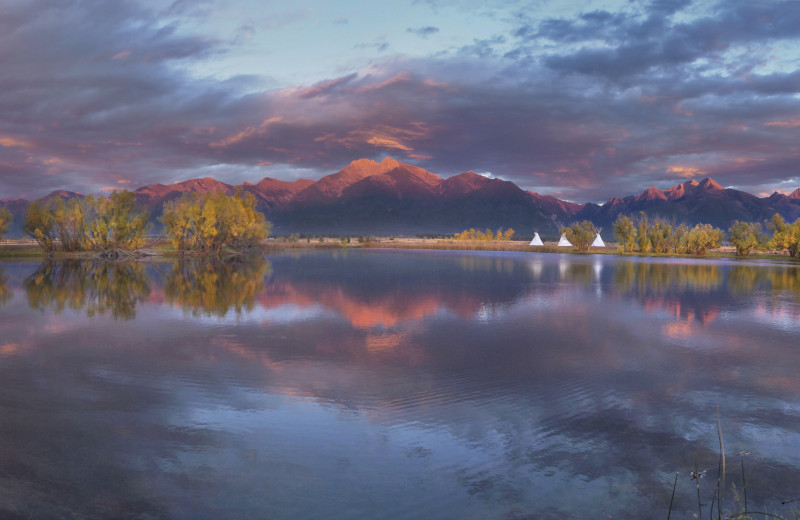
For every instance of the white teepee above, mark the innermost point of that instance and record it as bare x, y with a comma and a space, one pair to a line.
598, 242
564, 242
537, 241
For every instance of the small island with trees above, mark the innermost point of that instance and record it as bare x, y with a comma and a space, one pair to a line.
112, 227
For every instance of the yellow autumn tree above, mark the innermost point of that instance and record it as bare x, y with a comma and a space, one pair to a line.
5, 221
580, 234
114, 222
40, 226
208, 222
474, 235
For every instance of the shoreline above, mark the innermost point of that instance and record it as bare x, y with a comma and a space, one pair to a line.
25, 248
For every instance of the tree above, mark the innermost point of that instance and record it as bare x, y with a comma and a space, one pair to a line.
115, 222
68, 220
660, 236
505, 235
625, 233
642, 238
92, 223
40, 226
580, 234
700, 240
484, 236
784, 236
6, 218
210, 221
745, 237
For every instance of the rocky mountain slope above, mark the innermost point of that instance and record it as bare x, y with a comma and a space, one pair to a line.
390, 197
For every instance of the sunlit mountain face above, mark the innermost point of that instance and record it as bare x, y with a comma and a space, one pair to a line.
390, 197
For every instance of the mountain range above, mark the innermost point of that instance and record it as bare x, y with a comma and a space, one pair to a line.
390, 197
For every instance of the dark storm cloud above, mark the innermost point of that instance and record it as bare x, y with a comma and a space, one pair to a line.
638, 45
599, 105
86, 86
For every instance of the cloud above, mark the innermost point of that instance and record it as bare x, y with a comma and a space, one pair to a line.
588, 106
635, 45
423, 32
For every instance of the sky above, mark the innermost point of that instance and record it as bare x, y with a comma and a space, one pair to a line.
583, 100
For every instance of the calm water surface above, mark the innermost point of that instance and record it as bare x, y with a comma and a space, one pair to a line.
396, 385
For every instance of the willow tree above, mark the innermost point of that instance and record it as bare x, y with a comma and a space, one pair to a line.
580, 234
700, 240
68, 220
208, 222
40, 225
114, 222
784, 236
625, 233
746, 237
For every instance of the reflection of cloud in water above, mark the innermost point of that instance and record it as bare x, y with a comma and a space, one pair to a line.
9, 349
361, 379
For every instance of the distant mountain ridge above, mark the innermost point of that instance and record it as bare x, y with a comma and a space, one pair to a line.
390, 197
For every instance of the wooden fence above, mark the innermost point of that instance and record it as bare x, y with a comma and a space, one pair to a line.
18, 242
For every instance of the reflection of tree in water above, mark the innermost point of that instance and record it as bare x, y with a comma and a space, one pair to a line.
786, 279
745, 279
5, 291
689, 291
213, 286
579, 274
99, 287
652, 278
477, 263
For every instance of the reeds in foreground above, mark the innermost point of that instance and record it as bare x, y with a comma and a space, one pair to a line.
741, 510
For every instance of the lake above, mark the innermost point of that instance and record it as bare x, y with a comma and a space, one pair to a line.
351, 384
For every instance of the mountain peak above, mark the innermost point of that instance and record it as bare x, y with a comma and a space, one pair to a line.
709, 184
463, 183
63, 194
332, 186
651, 194
365, 167
795, 194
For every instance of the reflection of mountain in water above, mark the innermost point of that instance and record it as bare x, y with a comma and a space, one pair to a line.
213, 286
375, 289
98, 287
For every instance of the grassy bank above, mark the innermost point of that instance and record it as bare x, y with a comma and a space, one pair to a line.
161, 247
